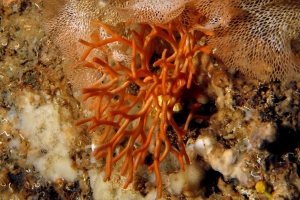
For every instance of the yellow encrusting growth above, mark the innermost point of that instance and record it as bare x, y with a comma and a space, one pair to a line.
261, 187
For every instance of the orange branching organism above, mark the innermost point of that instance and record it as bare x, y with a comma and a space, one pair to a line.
158, 96
249, 35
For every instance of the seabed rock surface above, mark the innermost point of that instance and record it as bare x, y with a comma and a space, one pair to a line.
252, 136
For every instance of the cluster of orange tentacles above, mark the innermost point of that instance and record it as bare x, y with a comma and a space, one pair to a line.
125, 116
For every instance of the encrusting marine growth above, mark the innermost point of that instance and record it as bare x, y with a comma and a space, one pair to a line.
251, 36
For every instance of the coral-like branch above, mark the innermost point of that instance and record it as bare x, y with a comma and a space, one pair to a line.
131, 114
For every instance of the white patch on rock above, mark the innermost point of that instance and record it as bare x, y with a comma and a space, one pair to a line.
49, 138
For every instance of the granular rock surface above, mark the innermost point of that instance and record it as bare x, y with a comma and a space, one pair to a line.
252, 137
